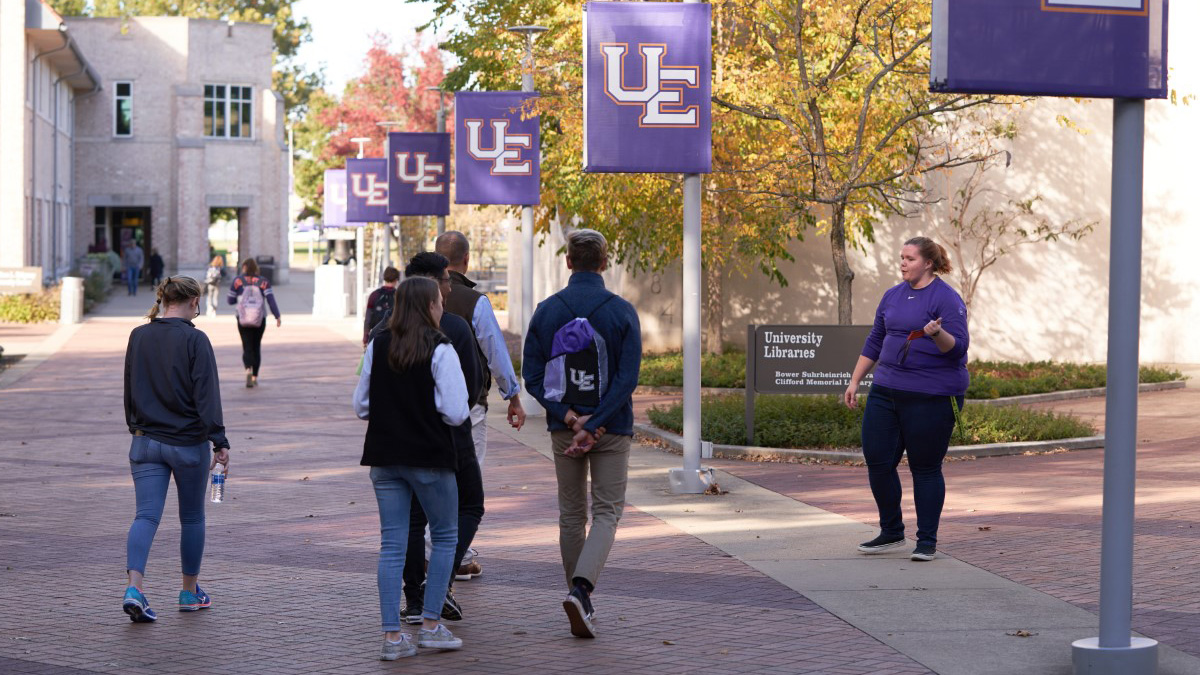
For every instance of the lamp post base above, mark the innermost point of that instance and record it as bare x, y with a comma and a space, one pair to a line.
690, 482
1089, 658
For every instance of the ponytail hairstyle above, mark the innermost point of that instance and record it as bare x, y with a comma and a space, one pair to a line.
249, 267
414, 332
173, 291
933, 252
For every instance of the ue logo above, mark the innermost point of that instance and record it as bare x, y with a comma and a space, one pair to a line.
425, 178
661, 93
583, 380
375, 193
505, 153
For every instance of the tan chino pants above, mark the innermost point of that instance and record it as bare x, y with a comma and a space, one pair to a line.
585, 551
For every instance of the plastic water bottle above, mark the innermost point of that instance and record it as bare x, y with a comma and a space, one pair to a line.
218, 484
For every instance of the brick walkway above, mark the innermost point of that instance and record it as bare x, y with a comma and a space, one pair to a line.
290, 557
1036, 520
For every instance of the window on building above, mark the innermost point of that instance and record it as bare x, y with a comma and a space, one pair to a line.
123, 109
228, 111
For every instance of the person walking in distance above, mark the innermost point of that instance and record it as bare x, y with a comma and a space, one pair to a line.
581, 361
173, 411
212, 284
412, 393
919, 342
156, 268
379, 302
475, 307
133, 258
251, 293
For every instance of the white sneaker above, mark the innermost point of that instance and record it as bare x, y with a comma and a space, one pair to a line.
397, 650
438, 638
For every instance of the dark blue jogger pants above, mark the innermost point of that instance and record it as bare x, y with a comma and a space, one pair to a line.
895, 422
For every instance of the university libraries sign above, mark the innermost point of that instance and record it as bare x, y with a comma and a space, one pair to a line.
804, 359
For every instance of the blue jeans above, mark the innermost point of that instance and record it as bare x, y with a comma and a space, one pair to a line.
895, 422
133, 275
152, 464
437, 492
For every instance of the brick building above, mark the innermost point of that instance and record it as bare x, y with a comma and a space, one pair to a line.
137, 128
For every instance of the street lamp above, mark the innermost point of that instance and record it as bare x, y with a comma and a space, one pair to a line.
441, 127
387, 237
360, 285
529, 32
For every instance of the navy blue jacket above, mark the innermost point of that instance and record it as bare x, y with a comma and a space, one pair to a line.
617, 322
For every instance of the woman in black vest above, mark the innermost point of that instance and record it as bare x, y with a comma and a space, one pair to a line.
412, 392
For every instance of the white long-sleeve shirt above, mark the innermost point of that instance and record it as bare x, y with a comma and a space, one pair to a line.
449, 386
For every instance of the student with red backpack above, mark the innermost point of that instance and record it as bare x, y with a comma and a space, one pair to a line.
251, 294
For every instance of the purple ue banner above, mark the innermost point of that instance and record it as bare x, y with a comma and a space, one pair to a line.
335, 198
418, 174
496, 153
367, 191
647, 87
1089, 48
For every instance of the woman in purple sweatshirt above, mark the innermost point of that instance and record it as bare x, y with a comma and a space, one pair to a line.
919, 342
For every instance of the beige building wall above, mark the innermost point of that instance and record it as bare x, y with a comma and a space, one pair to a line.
41, 68
168, 164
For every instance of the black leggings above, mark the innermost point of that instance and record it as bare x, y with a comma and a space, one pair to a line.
252, 345
470, 513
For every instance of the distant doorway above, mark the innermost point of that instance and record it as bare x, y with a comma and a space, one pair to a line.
115, 227
223, 235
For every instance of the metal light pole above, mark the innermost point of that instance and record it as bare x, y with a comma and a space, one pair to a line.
360, 286
691, 479
387, 231
529, 32
441, 127
1116, 652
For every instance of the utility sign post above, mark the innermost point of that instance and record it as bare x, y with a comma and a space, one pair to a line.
647, 109
1096, 48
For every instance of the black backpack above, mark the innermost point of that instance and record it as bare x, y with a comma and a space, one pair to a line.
382, 308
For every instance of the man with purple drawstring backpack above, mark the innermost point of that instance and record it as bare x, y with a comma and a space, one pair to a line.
581, 360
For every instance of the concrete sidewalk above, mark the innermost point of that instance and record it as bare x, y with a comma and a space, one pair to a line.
762, 579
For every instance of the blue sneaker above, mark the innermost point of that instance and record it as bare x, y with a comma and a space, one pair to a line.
191, 602
137, 607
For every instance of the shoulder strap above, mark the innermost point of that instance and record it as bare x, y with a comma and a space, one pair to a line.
594, 309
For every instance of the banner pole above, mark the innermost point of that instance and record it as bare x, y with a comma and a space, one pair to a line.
528, 402
1115, 651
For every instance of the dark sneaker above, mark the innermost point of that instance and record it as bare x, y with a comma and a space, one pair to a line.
468, 571
191, 602
438, 638
451, 610
411, 613
579, 610
880, 544
137, 607
397, 650
924, 553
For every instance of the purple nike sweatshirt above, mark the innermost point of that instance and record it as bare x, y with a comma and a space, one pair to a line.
926, 370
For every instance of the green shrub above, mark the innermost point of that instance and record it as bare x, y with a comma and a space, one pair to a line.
989, 379
824, 422
716, 370
996, 379
95, 289
30, 307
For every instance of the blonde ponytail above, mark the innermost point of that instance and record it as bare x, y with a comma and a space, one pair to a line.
172, 291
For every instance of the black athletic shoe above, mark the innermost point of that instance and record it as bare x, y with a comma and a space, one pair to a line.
411, 613
880, 544
451, 610
579, 610
924, 552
